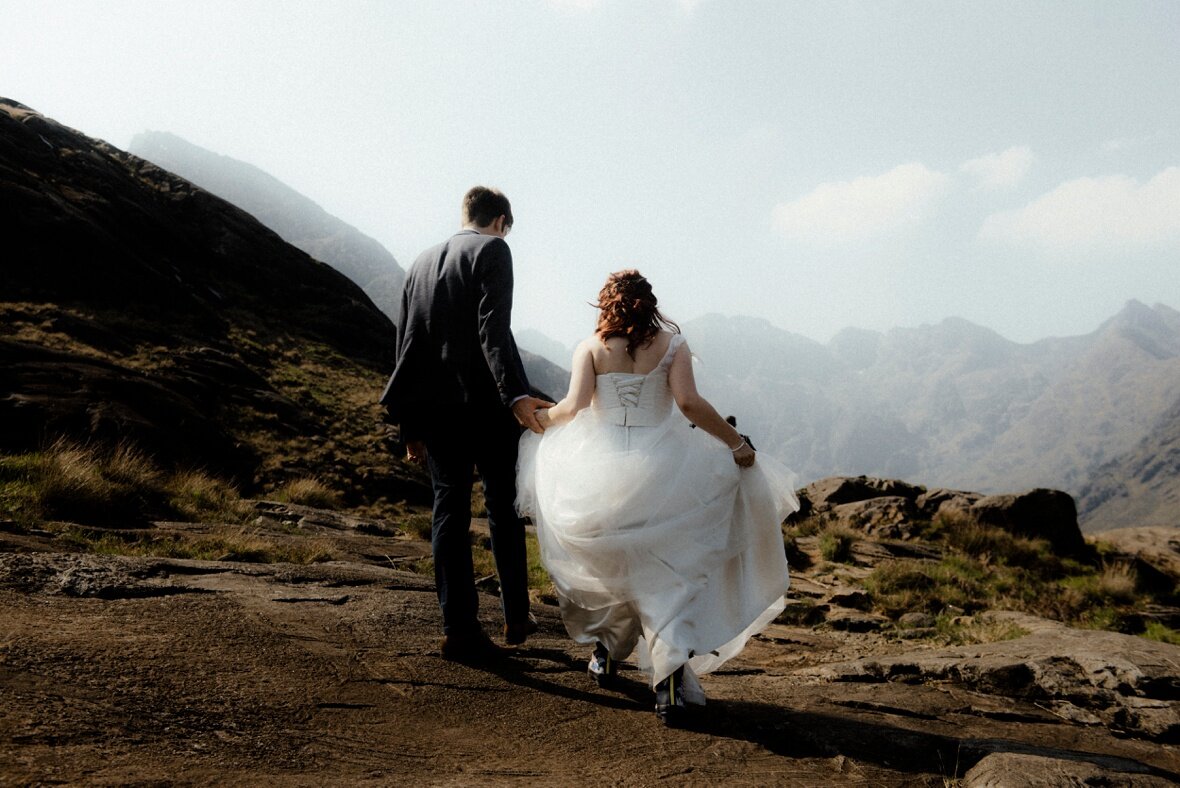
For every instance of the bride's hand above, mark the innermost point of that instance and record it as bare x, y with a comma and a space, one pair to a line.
744, 456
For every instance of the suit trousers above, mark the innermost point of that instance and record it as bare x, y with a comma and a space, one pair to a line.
486, 439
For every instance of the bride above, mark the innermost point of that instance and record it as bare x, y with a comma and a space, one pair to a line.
661, 539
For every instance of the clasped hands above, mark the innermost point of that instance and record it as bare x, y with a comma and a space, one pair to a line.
530, 412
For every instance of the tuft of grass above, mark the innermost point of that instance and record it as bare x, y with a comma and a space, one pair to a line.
117, 486
419, 524
1119, 582
808, 526
835, 543
955, 631
1116, 584
81, 483
906, 585
224, 544
993, 545
308, 491
1164, 634
196, 497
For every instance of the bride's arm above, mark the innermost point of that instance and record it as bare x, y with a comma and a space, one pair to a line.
580, 393
700, 411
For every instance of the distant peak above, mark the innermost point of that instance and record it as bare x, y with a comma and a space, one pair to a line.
1135, 313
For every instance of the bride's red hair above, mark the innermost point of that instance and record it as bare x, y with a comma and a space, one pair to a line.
628, 308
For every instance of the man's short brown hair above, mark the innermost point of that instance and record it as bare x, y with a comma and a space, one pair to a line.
482, 205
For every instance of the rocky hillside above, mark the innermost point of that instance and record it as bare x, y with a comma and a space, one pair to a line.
1141, 486
297, 220
139, 308
953, 403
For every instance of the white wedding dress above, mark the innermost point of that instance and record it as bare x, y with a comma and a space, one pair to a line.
654, 538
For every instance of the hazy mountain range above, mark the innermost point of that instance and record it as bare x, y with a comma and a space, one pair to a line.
955, 404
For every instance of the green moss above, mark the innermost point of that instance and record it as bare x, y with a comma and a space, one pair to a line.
1164, 634
224, 545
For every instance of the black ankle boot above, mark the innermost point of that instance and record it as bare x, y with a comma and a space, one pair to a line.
670, 704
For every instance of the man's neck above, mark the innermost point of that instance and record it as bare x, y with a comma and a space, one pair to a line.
490, 229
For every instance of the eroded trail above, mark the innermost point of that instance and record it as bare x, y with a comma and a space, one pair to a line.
200, 672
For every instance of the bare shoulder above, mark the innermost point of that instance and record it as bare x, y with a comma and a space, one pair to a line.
584, 349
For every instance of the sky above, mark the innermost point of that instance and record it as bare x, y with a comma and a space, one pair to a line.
818, 165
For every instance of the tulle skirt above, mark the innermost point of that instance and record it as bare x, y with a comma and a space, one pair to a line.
655, 539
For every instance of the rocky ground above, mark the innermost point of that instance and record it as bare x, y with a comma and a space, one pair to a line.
120, 670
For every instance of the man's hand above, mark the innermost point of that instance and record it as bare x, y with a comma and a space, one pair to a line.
416, 452
523, 410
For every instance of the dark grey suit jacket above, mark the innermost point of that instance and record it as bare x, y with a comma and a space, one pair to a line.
454, 344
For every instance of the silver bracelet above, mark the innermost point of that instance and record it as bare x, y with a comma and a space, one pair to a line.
737, 448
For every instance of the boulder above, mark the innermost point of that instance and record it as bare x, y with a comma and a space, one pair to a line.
852, 598
887, 516
917, 620
1037, 514
1125, 682
855, 621
930, 503
1010, 769
835, 490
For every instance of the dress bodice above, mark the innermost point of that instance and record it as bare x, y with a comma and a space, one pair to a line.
631, 400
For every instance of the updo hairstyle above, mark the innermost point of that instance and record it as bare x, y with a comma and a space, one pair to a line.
628, 308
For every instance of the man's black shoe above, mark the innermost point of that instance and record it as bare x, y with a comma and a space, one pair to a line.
515, 634
473, 648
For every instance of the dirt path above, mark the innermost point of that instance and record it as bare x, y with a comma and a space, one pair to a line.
199, 672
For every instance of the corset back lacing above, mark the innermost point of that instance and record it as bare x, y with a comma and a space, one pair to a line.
628, 390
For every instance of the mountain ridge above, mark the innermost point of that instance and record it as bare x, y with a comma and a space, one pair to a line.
953, 402
296, 218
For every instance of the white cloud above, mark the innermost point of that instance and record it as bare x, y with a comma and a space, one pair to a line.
861, 208
1089, 212
1000, 170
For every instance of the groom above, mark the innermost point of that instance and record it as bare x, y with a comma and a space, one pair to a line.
460, 394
